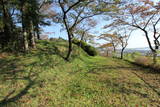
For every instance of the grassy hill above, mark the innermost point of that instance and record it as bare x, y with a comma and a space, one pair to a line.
42, 78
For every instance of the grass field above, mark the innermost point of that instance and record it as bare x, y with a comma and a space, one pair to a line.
42, 78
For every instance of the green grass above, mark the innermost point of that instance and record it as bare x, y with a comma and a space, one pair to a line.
43, 78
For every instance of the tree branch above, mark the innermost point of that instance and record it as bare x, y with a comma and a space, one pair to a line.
149, 21
72, 6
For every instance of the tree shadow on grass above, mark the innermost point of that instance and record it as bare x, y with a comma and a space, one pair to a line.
120, 87
7, 65
57, 50
7, 100
10, 72
9, 69
49, 51
96, 70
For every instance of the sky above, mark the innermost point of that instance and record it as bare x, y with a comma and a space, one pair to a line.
137, 39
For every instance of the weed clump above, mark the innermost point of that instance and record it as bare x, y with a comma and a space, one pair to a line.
143, 60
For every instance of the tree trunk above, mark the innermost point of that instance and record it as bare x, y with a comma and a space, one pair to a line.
38, 35
82, 39
33, 44
69, 32
32, 38
24, 27
69, 47
114, 49
7, 20
154, 57
37, 32
107, 53
25, 41
122, 51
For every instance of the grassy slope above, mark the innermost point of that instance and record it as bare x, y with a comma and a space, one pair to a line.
43, 79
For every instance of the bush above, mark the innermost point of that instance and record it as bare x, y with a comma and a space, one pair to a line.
143, 60
90, 50
76, 41
52, 39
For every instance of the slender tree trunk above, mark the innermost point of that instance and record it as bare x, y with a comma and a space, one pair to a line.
25, 41
69, 47
32, 38
33, 44
107, 53
122, 51
7, 24
38, 35
82, 39
114, 49
25, 35
69, 32
148, 40
154, 57
2, 45
37, 32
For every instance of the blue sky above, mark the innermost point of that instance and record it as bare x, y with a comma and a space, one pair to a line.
137, 39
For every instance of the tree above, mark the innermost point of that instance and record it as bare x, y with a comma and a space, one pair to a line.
123, 33
82, 31
123, 39
106, 49
27, 18
74, 12
143, 15
20, 20
73, 15
45, 15
65, 17
6, 21
111, 39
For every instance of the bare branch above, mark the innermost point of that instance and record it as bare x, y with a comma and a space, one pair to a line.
148, 21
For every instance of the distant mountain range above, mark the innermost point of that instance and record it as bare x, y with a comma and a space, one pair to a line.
143, 50
138, 49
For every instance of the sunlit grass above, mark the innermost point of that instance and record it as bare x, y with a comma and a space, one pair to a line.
43, 78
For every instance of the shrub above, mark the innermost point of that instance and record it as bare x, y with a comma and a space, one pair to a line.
143, 60
76, 41
90, 50
52, 39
